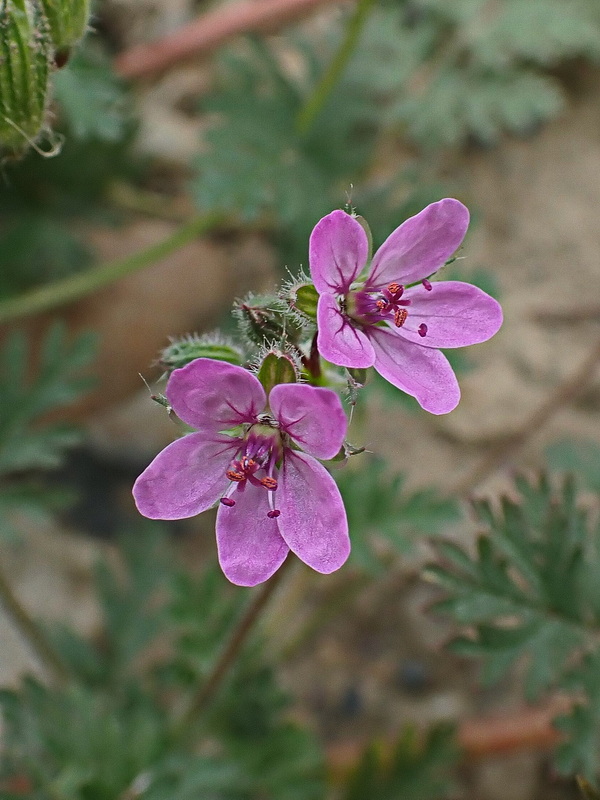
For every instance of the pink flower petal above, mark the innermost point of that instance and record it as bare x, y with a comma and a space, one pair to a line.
419, 371
313, 519
313, 417
420, 245
456, 315
213, 395
339, 340
249, 543
338, 250
187, 477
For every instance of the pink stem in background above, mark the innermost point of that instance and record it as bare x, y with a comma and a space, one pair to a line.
209, 31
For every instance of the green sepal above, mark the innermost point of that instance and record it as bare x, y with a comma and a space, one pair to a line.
25, 53
182, 352
276, 368
304, 298
68, 21
345, 451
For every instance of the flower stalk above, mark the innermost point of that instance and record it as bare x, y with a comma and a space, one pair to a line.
310, 111
32, 633
74, 287
239, 635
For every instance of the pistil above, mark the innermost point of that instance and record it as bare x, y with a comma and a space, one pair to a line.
259, 451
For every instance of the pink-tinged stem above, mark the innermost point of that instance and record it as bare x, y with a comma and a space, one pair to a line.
207, 690
209, 31
32, 633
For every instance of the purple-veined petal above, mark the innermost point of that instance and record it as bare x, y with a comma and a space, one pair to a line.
249, 543
339, 339
213, 395
456, 315
419, 371
312, 416
338, 250
313, 518
185, 478
420, 245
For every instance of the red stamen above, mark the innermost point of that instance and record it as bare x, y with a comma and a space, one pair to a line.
269, 483
422, 329
227, 501
274, 513
395, 288
381, 305
427, 284
400, 317
234, 475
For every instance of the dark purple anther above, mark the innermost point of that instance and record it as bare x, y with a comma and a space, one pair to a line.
227, 501
274, 513
427, 284
422, 329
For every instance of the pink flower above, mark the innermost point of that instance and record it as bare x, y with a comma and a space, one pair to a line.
274, 498
386, 323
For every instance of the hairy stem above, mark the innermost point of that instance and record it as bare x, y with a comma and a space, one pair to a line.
32, 633
309, 112
59, 293
207, 691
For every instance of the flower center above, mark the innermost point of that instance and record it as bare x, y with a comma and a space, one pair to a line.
256, 462
371, 307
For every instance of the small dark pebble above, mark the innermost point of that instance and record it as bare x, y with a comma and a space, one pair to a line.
413, 677
351, 703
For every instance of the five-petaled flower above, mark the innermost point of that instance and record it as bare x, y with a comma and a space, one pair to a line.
275, 497
388, 323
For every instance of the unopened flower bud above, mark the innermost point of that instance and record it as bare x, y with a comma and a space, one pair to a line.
302, 297
277, 367
266, 319
68, 21
182, 351
26, 50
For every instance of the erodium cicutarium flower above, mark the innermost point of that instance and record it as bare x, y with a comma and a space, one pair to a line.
258, 456
395, 320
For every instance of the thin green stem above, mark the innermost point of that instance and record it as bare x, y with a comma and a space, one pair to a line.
208, 689
32, 633
309, 112
59, 293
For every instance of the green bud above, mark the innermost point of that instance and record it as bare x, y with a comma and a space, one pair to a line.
266, 319
182, 351
68, 21
277, 367
304, 298
25, 53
